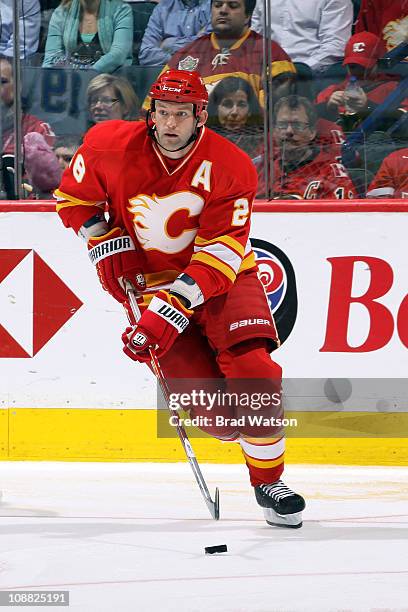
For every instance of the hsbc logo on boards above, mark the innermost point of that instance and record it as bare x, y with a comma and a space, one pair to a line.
359, 47
34, 303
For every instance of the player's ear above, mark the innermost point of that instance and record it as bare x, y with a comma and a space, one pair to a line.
202, 118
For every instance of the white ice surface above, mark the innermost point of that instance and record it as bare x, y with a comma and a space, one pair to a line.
131, 537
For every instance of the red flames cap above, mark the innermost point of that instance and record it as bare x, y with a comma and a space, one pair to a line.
364, 49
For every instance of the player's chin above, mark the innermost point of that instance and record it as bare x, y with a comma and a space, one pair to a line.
172, 143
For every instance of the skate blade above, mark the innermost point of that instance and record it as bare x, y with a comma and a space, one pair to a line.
293, 521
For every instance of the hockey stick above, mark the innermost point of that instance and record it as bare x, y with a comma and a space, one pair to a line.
213, 506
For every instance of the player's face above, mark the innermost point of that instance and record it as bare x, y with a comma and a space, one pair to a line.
105, 105
175, 123
293, 132
233, 111
6, 83
228, 18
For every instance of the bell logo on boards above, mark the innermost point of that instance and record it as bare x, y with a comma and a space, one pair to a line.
34, 303
278, 278
343, 300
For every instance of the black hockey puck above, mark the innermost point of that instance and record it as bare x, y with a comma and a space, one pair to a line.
212, 550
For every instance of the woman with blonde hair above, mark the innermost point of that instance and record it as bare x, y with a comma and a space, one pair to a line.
111, 97
95, 34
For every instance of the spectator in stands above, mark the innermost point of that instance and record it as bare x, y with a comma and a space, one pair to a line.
313, 32
65, 148
96, 34
303, 169
173, 25
235, 113
361, 55
29, 123
391, 181
232, 48
42, 169
111, 97
387, 19
43, 165
29, 27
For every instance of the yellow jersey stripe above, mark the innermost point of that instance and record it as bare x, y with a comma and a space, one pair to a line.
228, 240
211, 261
247, 263
223, 253
71, 201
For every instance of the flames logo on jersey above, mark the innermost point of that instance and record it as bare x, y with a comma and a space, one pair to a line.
157, 225
278, 278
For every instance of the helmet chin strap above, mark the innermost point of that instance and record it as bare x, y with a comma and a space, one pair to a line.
152, 133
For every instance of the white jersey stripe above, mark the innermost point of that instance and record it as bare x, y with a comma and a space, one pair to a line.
223, 253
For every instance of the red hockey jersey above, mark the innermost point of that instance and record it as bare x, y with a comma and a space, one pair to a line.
391, 180
243, 59
388, 19
321, 177
191, 214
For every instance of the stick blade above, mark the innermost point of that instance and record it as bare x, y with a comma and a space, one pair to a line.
217, 504
214, 506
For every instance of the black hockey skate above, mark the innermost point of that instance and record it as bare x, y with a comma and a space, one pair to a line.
282, 507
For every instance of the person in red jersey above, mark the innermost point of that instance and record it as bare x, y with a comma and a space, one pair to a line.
179, 203
387, 19
305, 168
391, 180
232, 49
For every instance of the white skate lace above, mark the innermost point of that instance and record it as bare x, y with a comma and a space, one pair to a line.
278, 490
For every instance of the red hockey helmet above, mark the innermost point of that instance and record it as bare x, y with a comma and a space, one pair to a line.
180, 86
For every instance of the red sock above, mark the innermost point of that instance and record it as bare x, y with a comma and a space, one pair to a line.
264, 458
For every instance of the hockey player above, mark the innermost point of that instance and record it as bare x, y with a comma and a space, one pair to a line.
179, 198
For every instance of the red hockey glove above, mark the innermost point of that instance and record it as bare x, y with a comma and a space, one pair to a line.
158, 326
115, 258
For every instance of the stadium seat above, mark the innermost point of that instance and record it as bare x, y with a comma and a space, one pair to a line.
141, 15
